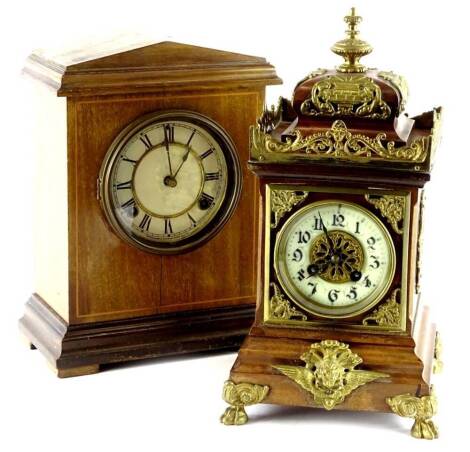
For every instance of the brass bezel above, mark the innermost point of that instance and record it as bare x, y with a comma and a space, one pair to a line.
334, 312
268, 319
227, 204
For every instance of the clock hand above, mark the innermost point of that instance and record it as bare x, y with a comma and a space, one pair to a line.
355, 275
328, 238
314, 269
167, 146
185, 157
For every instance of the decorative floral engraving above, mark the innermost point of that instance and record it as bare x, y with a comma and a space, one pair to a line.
280, 308
329, 373
391, 207
339, 142
282, 201
387, 314
348, 94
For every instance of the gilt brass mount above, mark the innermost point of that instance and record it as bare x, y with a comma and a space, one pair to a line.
330, 373
239, 396
337, 143
348, 94
421, 409
352, 49
391, 207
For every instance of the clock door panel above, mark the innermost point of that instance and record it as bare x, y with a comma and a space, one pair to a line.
154, 284
226, 270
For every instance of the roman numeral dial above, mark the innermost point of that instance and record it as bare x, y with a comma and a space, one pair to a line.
169, 179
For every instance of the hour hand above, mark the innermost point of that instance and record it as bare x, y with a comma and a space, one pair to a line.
166, 132
355, 275
315, 269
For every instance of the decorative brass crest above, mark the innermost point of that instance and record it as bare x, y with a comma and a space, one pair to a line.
399, 82
437, 364
339, 143
421, 409
354, 95
280, 308
340, 270
387, 314
391, 207
282, 201
239, 396
329, 373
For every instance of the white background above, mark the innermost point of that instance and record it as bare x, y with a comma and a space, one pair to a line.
174, 404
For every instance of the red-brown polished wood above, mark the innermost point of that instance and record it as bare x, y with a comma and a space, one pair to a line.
404, 355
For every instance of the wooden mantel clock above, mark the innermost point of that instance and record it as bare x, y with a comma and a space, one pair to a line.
144, 203
338, 321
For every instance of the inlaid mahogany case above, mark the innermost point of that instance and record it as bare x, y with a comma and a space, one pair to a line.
98, 299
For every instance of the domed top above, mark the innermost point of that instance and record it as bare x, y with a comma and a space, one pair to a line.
351, 90
351, 114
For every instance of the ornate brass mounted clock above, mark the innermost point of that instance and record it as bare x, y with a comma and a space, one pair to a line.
338, 322
140, 206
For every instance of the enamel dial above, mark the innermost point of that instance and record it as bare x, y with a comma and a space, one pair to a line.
170, 181
334, 258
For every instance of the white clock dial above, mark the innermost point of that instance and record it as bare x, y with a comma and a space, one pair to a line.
169, 178
334, 258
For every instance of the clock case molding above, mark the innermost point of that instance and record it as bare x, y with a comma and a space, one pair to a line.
97, 299
331, 138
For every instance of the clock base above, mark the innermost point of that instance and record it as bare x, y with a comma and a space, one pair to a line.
83, 349
395, 372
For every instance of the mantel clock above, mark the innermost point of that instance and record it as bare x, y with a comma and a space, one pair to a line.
338, 322
140, 205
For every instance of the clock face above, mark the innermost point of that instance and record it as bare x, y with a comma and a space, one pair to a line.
334, 258
170, 180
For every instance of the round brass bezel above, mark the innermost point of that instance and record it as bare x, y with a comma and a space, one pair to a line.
321, 310
225, 208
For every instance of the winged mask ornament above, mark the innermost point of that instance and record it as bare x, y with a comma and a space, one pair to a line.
329, 373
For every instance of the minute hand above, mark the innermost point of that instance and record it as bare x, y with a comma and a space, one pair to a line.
328, 238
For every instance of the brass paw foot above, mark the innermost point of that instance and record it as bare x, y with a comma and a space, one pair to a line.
234, 416
421, 409
239, 396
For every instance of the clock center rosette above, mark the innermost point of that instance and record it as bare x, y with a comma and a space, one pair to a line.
336, 256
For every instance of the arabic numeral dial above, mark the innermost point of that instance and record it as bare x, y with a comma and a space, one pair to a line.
334, 258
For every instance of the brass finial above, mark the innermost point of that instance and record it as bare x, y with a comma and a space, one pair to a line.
351, 48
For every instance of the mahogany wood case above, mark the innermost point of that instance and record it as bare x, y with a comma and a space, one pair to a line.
343, 139
97, 299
